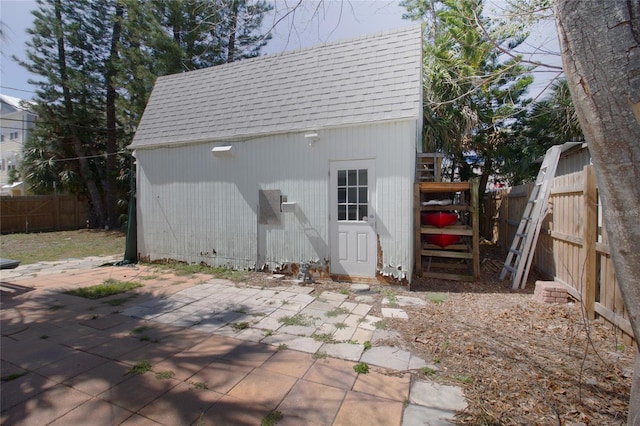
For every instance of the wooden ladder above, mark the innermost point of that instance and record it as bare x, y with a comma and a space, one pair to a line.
524, 242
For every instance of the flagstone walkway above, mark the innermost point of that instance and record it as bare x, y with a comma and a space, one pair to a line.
215, 353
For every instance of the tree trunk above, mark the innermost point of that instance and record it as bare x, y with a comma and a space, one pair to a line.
600, 43
487, 170
112, 142
231, 46
85, 169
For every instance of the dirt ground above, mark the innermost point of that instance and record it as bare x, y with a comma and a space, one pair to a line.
519, 361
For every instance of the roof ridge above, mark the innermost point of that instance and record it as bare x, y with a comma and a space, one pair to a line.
345, 41
371, 78
286, 53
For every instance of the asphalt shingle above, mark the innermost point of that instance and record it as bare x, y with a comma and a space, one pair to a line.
372, 78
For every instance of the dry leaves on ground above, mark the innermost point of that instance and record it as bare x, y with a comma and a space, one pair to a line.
519, 361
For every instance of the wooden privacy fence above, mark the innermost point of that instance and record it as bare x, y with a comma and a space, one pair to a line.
572, 248
42, 213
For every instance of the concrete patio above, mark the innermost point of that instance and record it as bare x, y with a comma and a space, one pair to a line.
218, 353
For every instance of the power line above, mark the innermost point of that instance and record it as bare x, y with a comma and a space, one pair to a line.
38, 121
15, 88
89, 156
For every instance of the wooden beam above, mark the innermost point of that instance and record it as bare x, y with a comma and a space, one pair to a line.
573, 189
578, 241
446, 276
446, 253
603, 248
417, 242
475, 218
444, 186
617, 320
451, 230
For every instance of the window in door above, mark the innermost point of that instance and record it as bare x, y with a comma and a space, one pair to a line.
353, 195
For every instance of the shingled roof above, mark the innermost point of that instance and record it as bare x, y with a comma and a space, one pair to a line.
368, 79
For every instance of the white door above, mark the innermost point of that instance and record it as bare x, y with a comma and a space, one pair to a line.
352, 216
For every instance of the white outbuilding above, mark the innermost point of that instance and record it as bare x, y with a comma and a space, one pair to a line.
301, 157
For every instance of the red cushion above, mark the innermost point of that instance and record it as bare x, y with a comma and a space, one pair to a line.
439, 219
443, 240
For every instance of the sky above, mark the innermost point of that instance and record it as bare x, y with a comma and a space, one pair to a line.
310, 25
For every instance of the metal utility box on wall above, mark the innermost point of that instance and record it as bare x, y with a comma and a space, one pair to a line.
269, 201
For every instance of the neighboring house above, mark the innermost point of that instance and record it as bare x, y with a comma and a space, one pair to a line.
574, 156
16, 121
301, 157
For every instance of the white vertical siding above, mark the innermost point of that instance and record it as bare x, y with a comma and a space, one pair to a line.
573, 161
196, 207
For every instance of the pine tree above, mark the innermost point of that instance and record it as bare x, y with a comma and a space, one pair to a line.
97, 61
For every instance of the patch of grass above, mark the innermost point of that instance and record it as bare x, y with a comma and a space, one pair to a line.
340, 325
390, 295
272, 418
427, 371
337, 311
381, 325
184, 269
437, 298
139, 330
361, 368
445, 345
13, 376
319, 355
200, 385
148, 277
240, 325
464, 379
119, 301
165, 375
140, 367
323, 337
44, 336
344, 291
48, 246
146, 338
240, 311
620, 347
282, 347
367, 345
109, 287
268, 333
297, 319
436, 360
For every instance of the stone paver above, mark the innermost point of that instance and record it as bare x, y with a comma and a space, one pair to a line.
417, 415
391, 357
394, 313
311, 403
434, 395
364, 409
384, 386
219, 353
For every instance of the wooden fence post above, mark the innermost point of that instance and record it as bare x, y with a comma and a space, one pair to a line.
56, 212
590, 231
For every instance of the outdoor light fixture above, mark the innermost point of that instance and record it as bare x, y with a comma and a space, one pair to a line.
222, 151
312, 137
